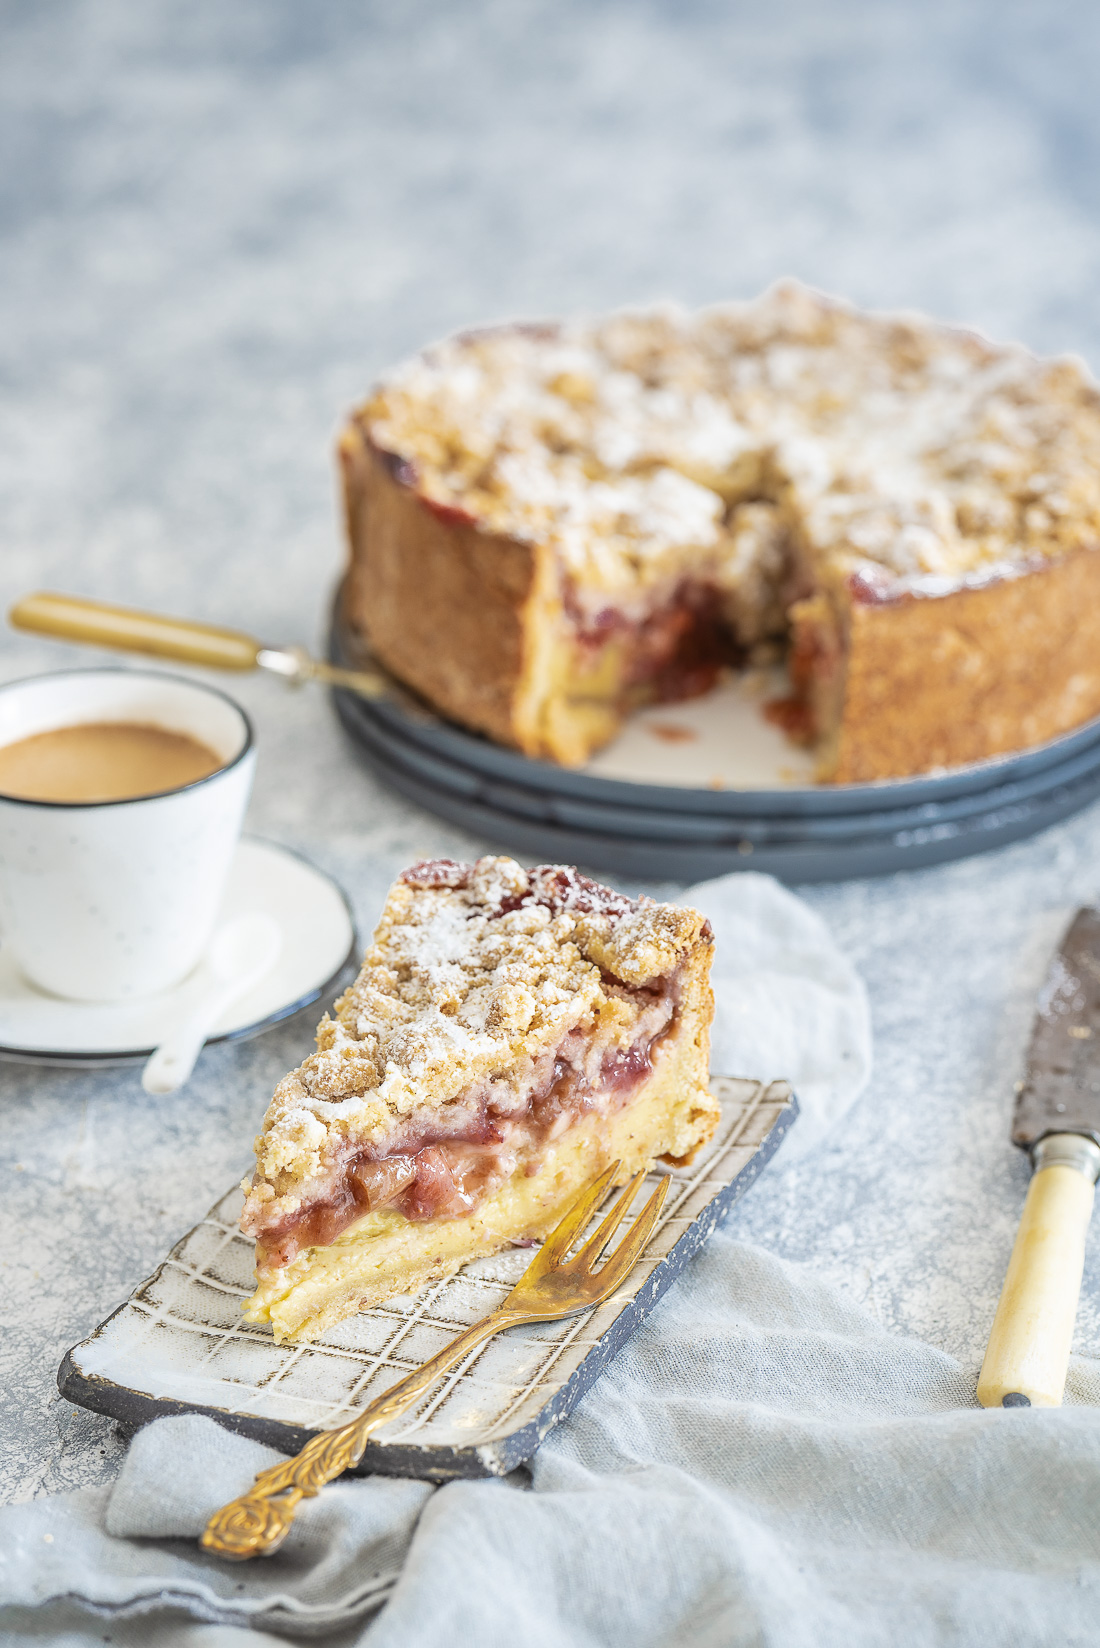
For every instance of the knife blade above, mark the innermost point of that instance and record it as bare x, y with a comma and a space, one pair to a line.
1057, 1121
1060, 1092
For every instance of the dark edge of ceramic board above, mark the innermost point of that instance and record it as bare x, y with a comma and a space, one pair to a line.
646, 824
795, 863
136, 1408
247, 1032
432, 733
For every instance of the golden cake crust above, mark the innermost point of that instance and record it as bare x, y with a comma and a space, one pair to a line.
939, 681
440, 592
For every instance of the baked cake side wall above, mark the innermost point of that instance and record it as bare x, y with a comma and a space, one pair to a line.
938, 682
441, 603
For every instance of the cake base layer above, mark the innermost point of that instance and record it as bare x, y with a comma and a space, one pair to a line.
384, 1254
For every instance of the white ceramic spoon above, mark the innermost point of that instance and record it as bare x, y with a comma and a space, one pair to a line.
240, 953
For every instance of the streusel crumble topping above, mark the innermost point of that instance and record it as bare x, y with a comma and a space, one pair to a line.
475, 970
645, 446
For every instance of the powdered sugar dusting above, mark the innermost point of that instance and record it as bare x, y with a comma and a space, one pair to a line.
436, 872
475, 971
560, 887
891, 446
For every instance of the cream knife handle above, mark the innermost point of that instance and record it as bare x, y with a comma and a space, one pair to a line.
1028, 1352
72, 618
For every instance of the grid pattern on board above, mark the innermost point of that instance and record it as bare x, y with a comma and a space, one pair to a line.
181, 1336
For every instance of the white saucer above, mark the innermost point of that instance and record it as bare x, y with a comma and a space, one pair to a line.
319, 940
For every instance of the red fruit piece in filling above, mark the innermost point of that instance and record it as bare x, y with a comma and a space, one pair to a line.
383, 1181
434, 1192
437, 872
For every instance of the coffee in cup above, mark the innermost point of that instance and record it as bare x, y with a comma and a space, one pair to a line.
103, 761
122, 794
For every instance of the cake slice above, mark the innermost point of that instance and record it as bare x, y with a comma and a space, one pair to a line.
510, 1033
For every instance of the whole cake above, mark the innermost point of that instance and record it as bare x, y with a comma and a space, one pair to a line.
510, 1034
550, 525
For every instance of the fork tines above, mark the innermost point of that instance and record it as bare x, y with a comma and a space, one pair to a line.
558, 1243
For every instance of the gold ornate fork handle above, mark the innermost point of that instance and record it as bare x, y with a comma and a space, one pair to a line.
551, 1287
257, 1523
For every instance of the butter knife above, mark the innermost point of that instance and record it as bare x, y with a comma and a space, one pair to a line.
1057, 1121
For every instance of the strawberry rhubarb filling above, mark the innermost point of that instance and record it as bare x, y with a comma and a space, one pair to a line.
443, 1168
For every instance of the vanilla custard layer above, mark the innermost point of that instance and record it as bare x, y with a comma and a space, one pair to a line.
384, 1254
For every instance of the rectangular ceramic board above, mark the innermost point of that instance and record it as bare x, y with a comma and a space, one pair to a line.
180, 1345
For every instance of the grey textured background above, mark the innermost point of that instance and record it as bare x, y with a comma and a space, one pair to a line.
220, 221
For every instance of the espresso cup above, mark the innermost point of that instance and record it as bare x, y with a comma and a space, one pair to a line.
112, 900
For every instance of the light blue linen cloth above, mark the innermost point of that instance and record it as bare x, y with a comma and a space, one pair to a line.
762, 1465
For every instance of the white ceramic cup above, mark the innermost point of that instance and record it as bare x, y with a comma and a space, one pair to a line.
110, 900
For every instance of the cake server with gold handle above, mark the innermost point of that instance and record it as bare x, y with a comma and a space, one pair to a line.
74, 618
1057, 1120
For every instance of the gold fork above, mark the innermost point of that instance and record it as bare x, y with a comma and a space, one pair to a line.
552, 1286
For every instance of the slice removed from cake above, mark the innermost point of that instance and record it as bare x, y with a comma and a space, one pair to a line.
510, 1033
